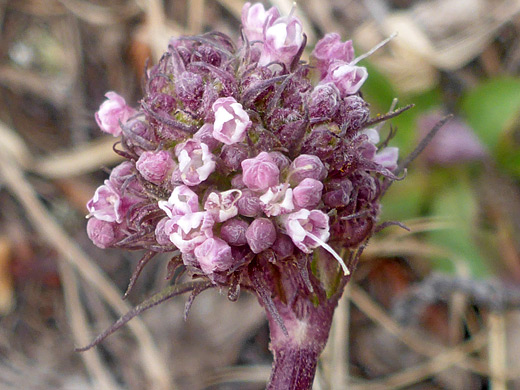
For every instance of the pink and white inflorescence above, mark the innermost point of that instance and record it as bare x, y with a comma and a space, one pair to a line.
241, 151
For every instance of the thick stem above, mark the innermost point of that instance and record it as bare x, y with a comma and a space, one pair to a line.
296, 354
293, 368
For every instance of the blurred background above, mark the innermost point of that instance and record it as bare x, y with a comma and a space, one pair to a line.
434, 308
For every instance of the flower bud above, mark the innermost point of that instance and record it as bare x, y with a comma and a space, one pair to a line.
330, 48
233, 155
236, 182
205, 135
338, 193
249, 204
387, 157
102, 233
155, 167
161, 236
189, 87
213, 255
282, 41
306, 166
196, 162
233, 231
113, 111
280, 159
307, 194
231, 121
283, 246
254, 18
323, 102
348, 78
353, 112
260, 173
260, 235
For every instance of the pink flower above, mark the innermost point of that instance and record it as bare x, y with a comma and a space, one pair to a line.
188, 231
330, 48
307, 194
112, 112
103, 234
214, 255
222, 205
277, 200
182, 201
387, 157
260, 235
260, 173
231, 121
196, 162
306, 166
254, 18
309, 229
282, 41
348, 78
155, 166
106, 204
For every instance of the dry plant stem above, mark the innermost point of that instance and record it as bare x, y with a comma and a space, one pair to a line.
78, 323
47, 227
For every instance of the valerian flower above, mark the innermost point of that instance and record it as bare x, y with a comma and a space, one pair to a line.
253, 173
112, 112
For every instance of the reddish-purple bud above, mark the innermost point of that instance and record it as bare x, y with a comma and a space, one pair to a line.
102, 233
260, 173
338, 193
280, 159
233, 155
353, 112
306, 166
260, 235
205, 135
323, 102
155, 167
330, 48
249, 204
307, 194
283, 246
112, 112
233, 231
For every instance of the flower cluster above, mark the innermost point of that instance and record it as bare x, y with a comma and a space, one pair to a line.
236, 155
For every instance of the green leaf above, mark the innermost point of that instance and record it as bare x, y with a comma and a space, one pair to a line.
491, 106
458, 203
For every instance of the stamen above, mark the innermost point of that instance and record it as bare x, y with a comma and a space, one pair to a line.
374, 49
329, 249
